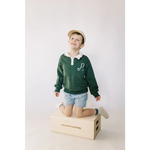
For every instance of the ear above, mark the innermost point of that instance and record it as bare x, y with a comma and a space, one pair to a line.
82, 45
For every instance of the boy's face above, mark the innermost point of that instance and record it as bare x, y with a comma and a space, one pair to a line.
75, 42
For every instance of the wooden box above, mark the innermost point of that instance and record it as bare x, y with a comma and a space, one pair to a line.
87, 127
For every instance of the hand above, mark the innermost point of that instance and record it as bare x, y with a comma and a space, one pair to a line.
56, 94
98, 98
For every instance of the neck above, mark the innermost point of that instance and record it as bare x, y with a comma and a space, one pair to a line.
73, 53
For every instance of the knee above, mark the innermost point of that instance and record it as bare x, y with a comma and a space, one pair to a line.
78, 115
68, 114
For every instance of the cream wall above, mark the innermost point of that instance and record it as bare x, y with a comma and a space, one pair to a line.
47, 25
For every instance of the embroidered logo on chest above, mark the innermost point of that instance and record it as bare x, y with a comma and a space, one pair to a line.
81, 67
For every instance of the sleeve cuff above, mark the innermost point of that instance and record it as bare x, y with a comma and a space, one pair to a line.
57, 90
95, 94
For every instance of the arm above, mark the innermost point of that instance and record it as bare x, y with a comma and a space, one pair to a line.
90, 77
59, 80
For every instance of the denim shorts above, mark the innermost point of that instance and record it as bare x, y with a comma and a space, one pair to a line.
78, 99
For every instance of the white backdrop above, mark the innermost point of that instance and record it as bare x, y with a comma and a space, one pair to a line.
47, 25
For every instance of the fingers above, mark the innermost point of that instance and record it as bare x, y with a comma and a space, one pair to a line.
56, 94
98, 98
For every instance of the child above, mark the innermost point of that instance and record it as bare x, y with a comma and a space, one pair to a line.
75, 73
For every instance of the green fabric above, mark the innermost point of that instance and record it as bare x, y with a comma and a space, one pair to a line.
77, 77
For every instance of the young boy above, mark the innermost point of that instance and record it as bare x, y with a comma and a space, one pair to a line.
75, 73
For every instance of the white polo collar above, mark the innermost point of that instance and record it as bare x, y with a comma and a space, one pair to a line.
78, 56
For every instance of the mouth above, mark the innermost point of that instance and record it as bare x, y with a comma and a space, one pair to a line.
73, 43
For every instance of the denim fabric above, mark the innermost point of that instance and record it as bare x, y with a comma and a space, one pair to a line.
78, 99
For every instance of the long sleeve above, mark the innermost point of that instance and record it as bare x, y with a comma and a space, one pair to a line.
59, 80
90, 77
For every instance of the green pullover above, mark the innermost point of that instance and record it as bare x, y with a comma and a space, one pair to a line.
76, 74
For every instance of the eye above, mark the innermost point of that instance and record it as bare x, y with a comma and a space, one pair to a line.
77, 39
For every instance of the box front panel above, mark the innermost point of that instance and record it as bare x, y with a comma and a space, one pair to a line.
72, 126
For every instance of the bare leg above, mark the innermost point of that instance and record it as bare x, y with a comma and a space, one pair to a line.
80, 112
67, 110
